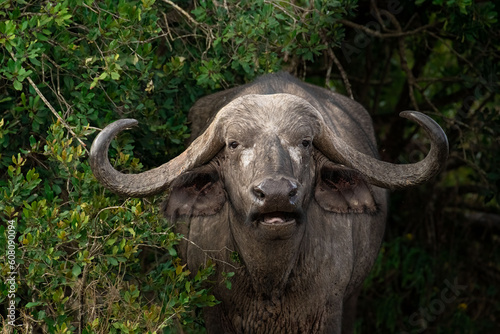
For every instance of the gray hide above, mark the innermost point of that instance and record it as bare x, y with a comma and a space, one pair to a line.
286, 175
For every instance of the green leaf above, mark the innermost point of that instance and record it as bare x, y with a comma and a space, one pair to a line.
111, 241
172, 251
94, 83
33, 304
18, 85
112, 261
77, 270
103, 76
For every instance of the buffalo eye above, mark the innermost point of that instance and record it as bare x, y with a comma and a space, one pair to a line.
306, 143
234, 144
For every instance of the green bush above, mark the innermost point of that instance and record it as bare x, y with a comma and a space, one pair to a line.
81, 252
89, 261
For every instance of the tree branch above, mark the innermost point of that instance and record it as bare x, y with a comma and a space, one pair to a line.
386, 35
47, 103
334, 58
183, 12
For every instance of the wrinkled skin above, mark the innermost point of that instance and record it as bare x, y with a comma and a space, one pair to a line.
298, 276
285, 175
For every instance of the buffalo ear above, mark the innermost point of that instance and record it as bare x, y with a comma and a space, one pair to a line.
196, 193
343, 190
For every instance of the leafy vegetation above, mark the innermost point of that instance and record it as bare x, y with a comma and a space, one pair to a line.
92, 262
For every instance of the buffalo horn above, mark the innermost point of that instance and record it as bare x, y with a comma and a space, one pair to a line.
156, 180
384, 174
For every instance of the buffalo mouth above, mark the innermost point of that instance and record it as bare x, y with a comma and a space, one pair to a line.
276, 225
276, 218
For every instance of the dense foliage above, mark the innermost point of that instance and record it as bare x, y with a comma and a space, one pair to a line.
88, 261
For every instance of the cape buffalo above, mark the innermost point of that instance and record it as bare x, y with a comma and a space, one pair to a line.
286, 175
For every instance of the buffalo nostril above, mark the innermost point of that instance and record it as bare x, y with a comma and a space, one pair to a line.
258, 193
292, 193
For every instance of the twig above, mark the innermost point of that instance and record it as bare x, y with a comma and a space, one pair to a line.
377, 14
168, 34
47, 103
63, 122
404, 63
209, 34
387, 35
57, 92
182, 11
328, 73
275, 4
486, 100
455, 52
206, 252
371, 82
80, 298
150, 39
429, 102
165, 322
334, 58
385, 72
347, 84
394, 21
444, 79
409, 74
481, 172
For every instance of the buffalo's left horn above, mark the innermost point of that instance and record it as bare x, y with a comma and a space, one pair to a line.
384, 174
156, 180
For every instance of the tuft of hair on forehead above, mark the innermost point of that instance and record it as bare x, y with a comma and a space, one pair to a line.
285, 109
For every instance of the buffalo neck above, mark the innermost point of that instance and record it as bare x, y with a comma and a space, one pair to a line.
268, 261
